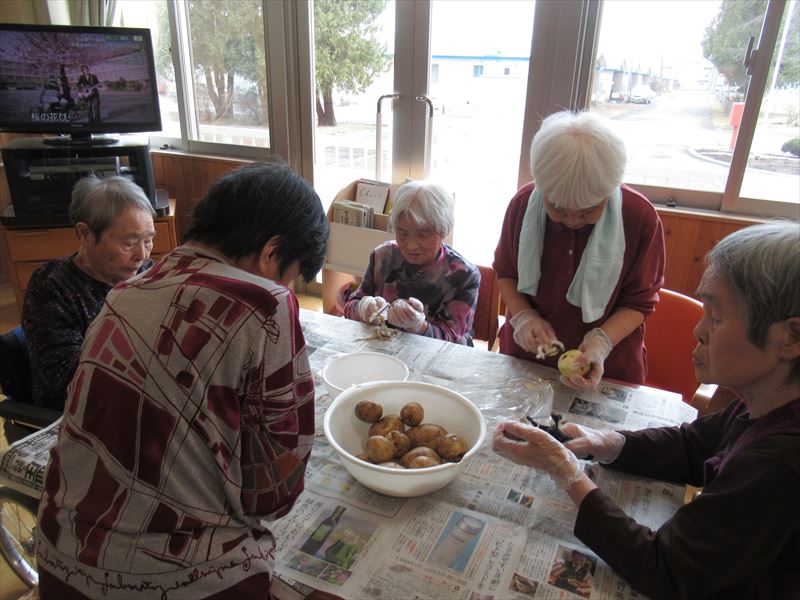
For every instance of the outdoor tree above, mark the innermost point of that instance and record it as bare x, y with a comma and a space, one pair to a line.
348, 54
227, 39
725, 41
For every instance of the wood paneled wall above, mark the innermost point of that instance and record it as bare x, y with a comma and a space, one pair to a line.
186, 179
689, 234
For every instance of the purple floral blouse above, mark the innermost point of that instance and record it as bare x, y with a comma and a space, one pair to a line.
448, 289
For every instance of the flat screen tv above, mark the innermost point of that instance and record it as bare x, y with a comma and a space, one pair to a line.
78, 83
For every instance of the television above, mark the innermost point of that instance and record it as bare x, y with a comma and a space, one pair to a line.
81, 84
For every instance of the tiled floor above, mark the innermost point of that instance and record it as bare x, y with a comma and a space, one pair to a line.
11, 587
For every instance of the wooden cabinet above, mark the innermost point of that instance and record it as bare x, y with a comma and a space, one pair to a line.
28, 249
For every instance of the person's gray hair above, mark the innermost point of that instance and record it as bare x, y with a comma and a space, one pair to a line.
761, 264
426, 204
97, 202
577, 160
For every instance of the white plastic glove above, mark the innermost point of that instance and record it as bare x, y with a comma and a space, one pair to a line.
408, 315
369, 307
538, 449
605, 446
531, 331
596, 346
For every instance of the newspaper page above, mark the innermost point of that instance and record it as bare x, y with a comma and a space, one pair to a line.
513, 528
23, 463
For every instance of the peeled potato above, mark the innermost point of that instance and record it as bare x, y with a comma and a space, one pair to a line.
568, 366
409, 456
387, 424
380, 449
452, 447
421, 462
412, 414
369, 412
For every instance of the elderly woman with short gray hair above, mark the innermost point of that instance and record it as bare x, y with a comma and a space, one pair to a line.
421, 284
580, 259
113, 220
740, 538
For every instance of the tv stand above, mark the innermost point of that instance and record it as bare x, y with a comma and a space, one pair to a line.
41, 175
87, 139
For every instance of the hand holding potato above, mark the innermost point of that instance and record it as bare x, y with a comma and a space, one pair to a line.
594, 350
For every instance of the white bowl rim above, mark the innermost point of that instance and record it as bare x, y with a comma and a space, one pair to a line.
363, 353
402, 472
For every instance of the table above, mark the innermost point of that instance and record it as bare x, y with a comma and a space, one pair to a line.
381, 547
525, 544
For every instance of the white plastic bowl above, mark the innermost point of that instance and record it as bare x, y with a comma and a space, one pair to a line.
348, 435
346, 370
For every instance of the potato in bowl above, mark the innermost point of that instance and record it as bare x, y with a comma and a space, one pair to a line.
348, 434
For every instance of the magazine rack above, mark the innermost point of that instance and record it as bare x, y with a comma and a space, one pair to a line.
349, 248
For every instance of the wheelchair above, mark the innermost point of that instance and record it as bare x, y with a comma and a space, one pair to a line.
19, 503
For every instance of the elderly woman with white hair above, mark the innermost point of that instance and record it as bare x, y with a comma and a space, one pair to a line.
740, 538
421, 284
580, 259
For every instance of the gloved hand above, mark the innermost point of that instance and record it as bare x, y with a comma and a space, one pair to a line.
531, 330
538, 449
596, 346
605, 446
408, 315
369, 307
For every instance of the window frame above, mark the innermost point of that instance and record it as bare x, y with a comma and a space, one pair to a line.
563, 50
279, 25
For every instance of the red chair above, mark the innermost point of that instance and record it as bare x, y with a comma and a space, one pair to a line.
669, 341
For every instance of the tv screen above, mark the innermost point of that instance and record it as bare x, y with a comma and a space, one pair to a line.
77, 80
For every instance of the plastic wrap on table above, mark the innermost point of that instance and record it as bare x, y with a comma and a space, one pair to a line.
514, 398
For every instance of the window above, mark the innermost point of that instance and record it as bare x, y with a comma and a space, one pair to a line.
679, 106
152, 14
213, 71
247, 89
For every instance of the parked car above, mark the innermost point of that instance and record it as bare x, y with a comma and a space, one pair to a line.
642, 94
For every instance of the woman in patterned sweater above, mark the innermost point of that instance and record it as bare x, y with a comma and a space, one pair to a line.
190, 419
429, 288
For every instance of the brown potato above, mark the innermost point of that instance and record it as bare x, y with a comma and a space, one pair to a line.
452, 447
421, 462
406, 459
387, 424
401, 442
427, 434
412, 414
392, 465
363, 456
379, 449
369, 412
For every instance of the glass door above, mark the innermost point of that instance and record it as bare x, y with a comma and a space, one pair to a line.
354, 66
459, 71
477, 82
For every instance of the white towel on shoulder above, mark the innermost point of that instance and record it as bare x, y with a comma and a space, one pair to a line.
601, 264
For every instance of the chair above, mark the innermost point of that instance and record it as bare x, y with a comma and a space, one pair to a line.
669, 341
15, 383
484, 325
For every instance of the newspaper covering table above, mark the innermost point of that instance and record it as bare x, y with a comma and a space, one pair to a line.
499, 530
